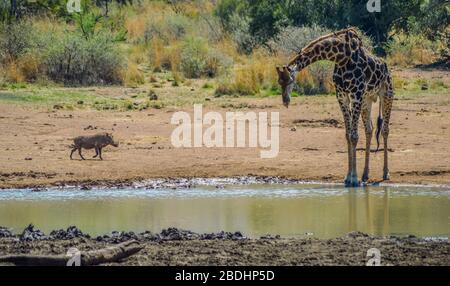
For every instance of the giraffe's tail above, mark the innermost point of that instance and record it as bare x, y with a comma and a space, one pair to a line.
379, 124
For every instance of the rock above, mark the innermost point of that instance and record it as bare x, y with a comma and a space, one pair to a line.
173, 233
147, 235
28, 159
223, 236
58, 106
270, 237
356, 234
5, 232
30, 234
152, 95
70, 233
293, 129
90, 127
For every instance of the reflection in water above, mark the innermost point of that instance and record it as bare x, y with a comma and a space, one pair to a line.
255, 210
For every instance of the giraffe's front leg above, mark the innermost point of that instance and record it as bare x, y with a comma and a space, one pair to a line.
365, 114
345, 109
356, 112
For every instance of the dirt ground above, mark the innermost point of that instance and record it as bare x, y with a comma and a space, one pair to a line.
348, 250
34, 145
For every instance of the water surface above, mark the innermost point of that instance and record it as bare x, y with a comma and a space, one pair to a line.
322, 211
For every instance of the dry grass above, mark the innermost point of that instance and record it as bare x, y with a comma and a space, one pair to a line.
132, 76
13, 73
255, 73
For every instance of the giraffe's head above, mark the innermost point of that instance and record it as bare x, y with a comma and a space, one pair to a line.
286, 78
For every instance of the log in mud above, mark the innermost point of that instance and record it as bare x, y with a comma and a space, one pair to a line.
88, 258
181, 247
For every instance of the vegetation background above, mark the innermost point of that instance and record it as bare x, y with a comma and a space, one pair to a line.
233, 45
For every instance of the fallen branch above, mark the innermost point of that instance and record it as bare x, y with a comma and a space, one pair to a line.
89, 258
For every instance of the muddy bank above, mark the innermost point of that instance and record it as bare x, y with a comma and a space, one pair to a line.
174, 183
192, 182
180, 247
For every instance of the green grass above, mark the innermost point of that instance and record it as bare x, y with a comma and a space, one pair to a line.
169, 96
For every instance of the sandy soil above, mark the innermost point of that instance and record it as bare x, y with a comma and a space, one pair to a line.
34, 145
348, 250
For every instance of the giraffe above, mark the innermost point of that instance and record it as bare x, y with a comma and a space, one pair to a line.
359, 78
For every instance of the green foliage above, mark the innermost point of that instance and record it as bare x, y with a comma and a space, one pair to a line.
172, 27
15, 39
75, 60
412, 50
197, 59
193, 57
266, 18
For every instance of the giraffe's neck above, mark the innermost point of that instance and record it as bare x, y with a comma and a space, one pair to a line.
329, 49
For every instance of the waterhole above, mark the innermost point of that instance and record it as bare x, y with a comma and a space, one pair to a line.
298, 210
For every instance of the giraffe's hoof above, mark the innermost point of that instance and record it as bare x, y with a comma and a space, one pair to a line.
365, 178
352, 182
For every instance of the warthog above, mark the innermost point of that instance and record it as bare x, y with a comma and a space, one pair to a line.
97, 142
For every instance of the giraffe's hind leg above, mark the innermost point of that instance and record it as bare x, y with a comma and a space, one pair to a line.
365, 114
387, 100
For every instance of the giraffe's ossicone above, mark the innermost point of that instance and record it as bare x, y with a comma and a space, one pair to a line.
359, 78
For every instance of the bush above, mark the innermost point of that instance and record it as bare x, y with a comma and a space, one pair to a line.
193, 57
412, 50
169, 28
317, 79
75, 60
217, 63
15, 39
197, 59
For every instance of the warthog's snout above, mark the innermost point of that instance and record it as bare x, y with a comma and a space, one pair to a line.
115, 144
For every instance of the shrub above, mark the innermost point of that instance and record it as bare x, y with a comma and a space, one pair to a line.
197, 59
169, 28
316, 79
75, 60
13, 73
30, 67
193, 57
15, 39
411, 50
217, 63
